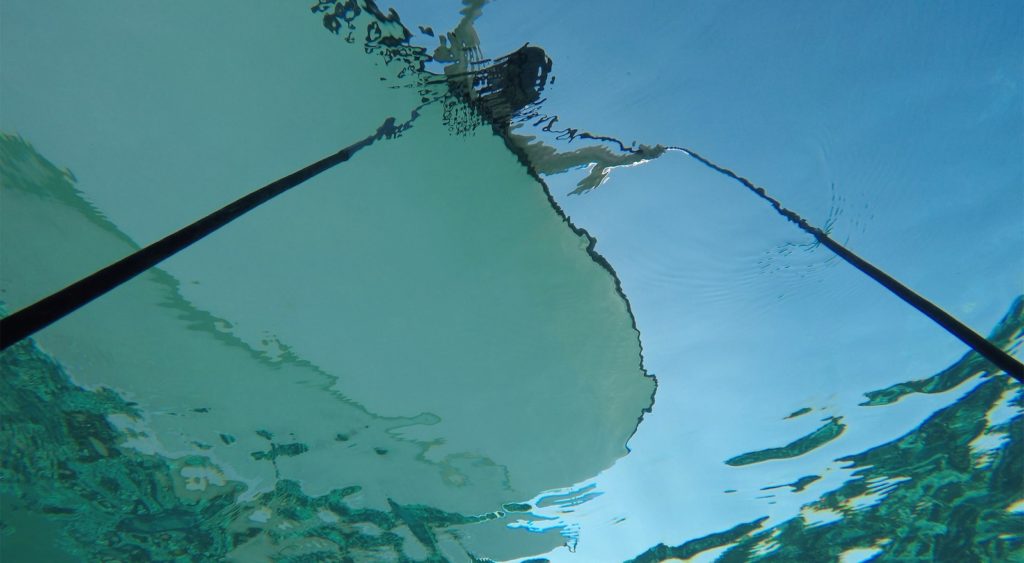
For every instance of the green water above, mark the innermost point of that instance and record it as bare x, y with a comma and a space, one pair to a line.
418, 328
461, 331
389, 363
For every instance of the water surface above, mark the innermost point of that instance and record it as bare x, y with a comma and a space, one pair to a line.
443, 349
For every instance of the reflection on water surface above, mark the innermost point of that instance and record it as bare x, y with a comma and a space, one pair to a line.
422, 354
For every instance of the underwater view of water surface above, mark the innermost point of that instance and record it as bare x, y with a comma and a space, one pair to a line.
574, 281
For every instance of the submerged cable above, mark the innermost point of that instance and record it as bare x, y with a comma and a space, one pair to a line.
524, 75
977, 342
39, 315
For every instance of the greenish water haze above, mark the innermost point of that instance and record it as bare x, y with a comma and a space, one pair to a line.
420, 327
462, 362
415, 356
453, 339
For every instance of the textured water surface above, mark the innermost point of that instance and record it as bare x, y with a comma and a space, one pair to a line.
446, 347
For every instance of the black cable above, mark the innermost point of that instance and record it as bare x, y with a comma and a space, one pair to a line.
977, 342
48, 310
39, 315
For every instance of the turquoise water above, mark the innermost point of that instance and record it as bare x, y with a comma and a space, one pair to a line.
424, 353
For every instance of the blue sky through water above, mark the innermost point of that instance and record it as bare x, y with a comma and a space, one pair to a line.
898, 124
